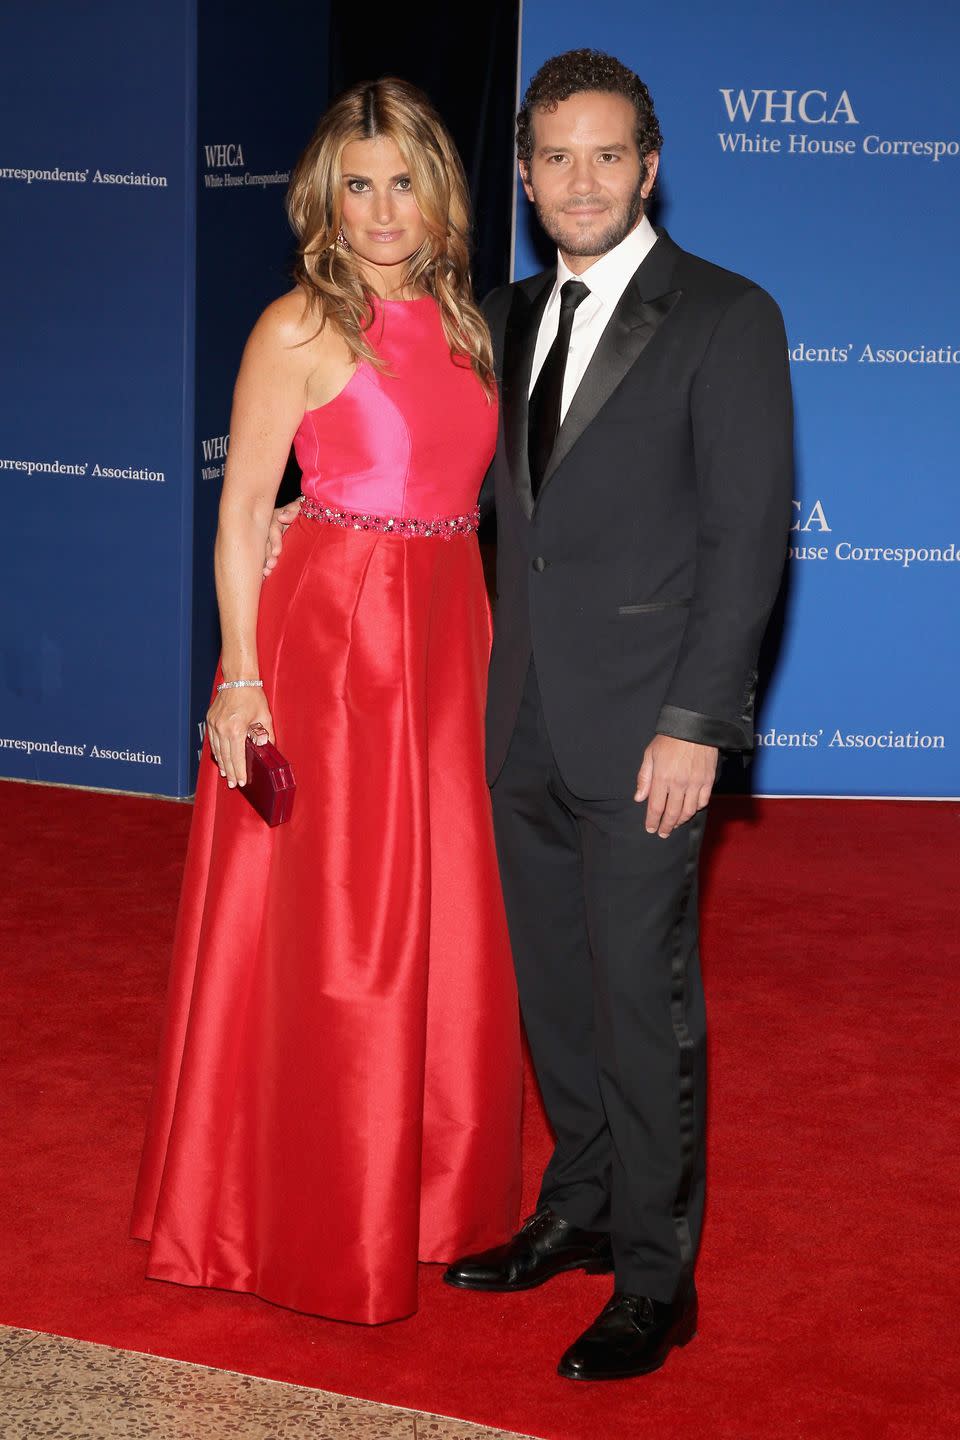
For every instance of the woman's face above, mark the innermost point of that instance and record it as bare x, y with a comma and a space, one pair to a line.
381, 221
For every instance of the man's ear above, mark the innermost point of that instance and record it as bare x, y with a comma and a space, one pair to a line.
524, 167
653, 165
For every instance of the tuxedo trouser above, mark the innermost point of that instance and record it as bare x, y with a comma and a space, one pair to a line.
604, 928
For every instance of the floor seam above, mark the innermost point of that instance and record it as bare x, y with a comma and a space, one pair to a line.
30, 1337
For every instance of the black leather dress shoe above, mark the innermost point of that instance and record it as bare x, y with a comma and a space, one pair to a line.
632, 1335
544, 1247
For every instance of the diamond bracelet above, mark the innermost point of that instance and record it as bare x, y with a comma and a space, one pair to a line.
238, 685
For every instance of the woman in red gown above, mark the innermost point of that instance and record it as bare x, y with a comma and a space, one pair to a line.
339, 1085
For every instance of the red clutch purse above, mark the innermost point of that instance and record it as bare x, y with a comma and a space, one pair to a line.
270, 786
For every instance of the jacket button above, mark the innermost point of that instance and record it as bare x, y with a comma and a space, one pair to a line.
539, 564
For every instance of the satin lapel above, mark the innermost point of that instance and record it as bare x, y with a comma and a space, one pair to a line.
520, 342
631, 328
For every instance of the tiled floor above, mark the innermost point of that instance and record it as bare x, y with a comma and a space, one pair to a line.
56, 1389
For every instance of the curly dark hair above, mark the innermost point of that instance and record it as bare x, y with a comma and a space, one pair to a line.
575, 71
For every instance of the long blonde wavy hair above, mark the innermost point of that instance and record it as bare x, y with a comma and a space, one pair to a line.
329, 274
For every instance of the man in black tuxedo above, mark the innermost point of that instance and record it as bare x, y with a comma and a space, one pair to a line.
643, 484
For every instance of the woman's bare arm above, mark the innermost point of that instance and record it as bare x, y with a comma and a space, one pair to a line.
268, 404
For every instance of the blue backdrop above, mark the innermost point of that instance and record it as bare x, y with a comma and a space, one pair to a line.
145, 156
817, 150
96, 239
262, 89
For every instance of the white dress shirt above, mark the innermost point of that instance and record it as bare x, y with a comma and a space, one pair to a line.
606, 279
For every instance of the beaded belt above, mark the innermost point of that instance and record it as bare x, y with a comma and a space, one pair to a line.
445, 526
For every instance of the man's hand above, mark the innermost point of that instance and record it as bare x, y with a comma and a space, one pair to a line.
281, 519
675, 779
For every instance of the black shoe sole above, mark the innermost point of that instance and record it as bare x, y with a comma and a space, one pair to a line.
589, 1267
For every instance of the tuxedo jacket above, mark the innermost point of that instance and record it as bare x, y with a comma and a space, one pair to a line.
642, 577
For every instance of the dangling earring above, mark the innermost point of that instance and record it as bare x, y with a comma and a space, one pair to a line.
342, 240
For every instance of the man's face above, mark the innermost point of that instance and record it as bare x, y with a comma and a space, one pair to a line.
585, 176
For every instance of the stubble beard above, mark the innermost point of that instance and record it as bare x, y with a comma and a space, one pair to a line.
618, 227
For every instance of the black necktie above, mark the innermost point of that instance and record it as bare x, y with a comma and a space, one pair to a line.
547, 395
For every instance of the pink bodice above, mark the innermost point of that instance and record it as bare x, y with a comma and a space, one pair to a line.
414, 441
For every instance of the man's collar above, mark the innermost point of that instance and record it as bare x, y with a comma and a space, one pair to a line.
608, 277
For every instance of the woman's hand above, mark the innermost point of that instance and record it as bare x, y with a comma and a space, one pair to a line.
232, 714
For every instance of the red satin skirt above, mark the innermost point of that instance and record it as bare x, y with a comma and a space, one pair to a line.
340, 1076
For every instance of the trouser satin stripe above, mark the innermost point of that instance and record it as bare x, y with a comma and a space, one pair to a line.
686, 1080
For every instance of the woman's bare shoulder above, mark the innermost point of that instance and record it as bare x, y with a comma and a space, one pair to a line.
289, 344
289, 341
288, 321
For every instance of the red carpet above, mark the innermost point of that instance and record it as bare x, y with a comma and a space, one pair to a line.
829, 1277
